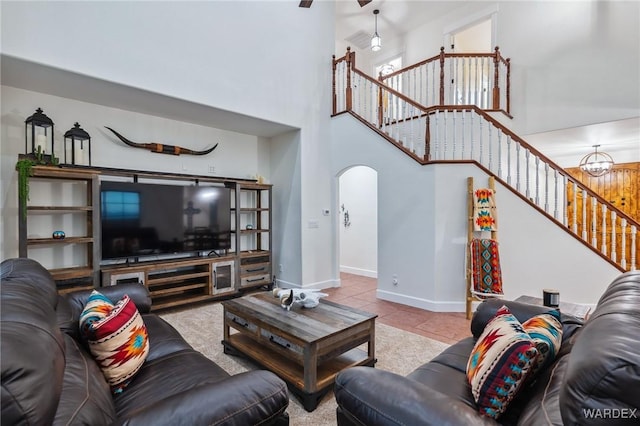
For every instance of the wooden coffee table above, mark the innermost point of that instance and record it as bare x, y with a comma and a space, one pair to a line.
307, 348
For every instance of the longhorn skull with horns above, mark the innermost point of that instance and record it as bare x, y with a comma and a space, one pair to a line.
162, 148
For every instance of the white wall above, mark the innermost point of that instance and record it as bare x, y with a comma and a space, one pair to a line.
359, 239
235, 156
423, 224
266, 59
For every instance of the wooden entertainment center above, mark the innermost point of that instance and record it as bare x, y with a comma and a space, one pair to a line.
67, 198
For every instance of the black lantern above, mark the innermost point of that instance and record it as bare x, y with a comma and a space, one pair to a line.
39, 136
77, 146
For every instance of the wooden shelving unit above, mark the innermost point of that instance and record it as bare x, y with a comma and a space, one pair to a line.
253, 234
57, 185
171, 282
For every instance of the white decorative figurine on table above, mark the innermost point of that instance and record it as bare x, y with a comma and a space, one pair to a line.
306, 298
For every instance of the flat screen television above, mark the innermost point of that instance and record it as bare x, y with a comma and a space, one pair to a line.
145, 219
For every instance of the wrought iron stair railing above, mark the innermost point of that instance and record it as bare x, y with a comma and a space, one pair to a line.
468, 133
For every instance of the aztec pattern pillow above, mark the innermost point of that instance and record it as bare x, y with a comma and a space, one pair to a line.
117, 338
546, 331
499, 363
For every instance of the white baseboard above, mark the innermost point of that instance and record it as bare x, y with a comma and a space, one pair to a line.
315, 286
416, 302
359, 271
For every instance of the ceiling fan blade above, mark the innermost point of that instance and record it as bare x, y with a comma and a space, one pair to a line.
305, 3
363, 2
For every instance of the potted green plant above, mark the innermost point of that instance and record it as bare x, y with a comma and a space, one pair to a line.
24, 167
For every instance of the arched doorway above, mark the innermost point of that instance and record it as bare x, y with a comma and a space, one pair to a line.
358, 221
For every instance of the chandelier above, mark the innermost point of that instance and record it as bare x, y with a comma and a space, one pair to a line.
596, 163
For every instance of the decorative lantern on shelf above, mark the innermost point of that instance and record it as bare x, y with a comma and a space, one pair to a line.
77, 146
39, 137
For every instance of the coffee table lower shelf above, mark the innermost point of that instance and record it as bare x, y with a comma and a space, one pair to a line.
293, 373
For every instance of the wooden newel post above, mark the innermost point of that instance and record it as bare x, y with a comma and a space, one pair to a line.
334, 99
348, 88
442, 75
496, 79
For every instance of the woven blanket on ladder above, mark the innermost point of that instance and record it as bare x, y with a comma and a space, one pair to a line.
485, 268
485, 216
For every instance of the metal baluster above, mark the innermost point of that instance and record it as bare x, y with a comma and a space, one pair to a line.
614, 252
623, 248
604, 229
594, 234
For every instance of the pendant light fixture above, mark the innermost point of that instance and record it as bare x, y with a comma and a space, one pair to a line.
597, 163
376, 41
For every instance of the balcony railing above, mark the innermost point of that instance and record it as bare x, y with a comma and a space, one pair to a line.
466, 133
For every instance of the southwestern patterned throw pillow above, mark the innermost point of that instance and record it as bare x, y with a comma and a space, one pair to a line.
117, 338
546, 331
500, 363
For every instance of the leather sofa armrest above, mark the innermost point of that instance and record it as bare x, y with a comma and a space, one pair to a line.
376, 397
254, 397
487, 309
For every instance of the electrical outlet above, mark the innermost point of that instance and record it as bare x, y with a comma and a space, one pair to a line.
280, 268
314, 224
212, 168
394, 280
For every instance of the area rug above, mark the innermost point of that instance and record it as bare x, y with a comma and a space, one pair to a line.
396, 350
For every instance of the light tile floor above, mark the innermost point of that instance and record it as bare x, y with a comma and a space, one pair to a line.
360, 292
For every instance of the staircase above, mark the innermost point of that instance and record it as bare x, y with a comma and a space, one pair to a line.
441, 110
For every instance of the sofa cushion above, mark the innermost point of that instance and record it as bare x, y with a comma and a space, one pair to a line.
117, 338
32, 349
499, 363
86, 397
546, 332
602, 383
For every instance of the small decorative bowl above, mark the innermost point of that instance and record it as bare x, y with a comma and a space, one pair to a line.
58, 235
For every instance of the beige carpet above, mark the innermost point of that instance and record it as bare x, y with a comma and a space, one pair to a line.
397, 350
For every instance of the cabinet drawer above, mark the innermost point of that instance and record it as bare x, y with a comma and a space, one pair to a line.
240, 323
281, 342
255, 280
256, 269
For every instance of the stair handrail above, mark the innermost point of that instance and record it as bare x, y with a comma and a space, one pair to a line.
426, 158
501, 68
